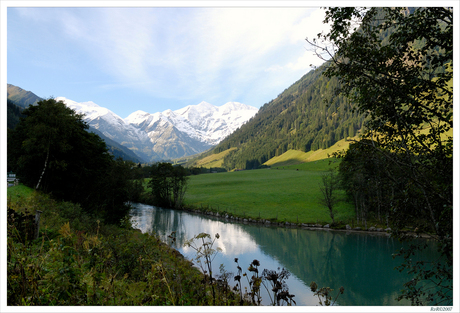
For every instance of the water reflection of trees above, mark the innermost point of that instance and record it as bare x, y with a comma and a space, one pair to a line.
361, 263
336, 259
234, 240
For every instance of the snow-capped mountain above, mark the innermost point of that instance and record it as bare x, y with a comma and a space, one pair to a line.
169, 134
110, 125
204, 122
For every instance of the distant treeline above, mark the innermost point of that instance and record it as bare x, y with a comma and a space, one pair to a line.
145, 170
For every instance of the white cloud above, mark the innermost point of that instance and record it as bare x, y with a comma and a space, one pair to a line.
304, 62
122, 42
187, 52
309, 27
243, 42
142, 45
246, 34
253, 30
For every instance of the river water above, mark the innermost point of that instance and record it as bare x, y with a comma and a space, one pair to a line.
361, 263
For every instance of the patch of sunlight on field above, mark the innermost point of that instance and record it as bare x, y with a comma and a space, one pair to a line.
294, 157
213, 160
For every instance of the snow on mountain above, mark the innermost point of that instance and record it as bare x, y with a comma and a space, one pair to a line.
111, 125
204, 122
168, 134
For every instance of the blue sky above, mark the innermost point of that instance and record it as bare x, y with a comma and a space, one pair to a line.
158, 58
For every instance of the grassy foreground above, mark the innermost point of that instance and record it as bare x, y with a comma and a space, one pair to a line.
283, 194
80, 260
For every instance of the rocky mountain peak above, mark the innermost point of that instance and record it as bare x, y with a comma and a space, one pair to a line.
167, 134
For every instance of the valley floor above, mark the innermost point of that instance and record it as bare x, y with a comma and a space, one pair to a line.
283, 194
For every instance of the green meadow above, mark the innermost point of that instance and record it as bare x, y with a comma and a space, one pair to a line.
289, 193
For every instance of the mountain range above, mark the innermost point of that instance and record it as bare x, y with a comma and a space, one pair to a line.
155, 136
169, 134
306, 116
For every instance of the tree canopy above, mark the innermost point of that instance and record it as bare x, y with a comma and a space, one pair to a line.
168, 184
395, 66
51, 150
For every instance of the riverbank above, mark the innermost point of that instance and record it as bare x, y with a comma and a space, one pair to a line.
340, 227
288, 196
330, 258
78, 259
325, 227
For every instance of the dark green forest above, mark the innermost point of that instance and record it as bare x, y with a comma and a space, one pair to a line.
13, 114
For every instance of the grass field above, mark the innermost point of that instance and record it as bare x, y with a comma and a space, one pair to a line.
291, 194
290, 157
214, 160
293, 157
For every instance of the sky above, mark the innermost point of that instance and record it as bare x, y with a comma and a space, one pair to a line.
159, 58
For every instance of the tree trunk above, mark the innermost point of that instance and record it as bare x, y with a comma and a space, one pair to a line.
44, 167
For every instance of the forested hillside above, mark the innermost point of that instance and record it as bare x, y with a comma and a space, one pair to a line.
21, 97
309, 115
13, 114
306, 116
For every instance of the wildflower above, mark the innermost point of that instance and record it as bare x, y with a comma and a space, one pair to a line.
270, 275
313, 286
